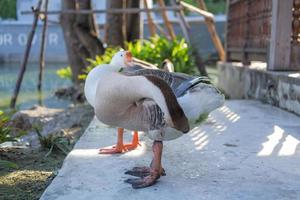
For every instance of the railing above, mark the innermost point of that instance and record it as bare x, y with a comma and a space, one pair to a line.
264, 30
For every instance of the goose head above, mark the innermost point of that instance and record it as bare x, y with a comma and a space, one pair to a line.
121, 60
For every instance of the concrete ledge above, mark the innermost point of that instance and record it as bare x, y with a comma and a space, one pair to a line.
281, 89
245, 150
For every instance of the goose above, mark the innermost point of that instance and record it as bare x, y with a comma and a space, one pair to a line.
120, 60
164, 105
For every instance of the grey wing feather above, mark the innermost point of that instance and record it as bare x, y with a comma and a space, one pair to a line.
150, 114
179, 82
171, 78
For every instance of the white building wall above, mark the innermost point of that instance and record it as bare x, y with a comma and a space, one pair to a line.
25, 5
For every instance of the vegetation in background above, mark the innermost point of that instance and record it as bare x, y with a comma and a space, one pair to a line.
53, 142
154, 50
8, 9
5, 130
65, 73
157, 49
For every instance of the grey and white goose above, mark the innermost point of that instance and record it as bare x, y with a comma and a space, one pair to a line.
162, 104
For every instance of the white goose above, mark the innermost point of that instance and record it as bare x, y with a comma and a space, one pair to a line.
162, 104
121, 60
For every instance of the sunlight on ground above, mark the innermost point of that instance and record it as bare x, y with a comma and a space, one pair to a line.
230, 115
201, 137
91, 153
279, 137
23, 176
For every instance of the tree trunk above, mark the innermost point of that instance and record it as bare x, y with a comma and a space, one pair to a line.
114, 36
80, 36
133, 22
116, 33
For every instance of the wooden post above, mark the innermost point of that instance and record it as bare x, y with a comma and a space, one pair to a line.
151, 24
26, 55
141, 21
166, 20
281, 31
43, 46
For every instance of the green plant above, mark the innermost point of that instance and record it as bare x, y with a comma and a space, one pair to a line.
65, 72
154, 50
157, 49
53, 142
5, 136
8, 9
5, 129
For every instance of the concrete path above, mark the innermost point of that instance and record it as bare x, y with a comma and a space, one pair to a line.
245, 150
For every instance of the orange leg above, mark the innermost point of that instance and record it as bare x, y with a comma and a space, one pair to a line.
120, 147
150, 175
135, 142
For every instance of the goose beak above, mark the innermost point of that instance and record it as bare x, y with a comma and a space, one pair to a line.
128, 58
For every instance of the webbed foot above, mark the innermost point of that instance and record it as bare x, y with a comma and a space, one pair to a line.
146, 181
143, 172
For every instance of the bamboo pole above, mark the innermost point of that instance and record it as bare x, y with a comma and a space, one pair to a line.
183, 24
151, 24
166, 20
197, 10
42, 51
112, 11
161, 30
209, 20
216, 40
202, 5
26, 55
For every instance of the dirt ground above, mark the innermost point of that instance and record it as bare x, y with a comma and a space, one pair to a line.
36, 170
33, 175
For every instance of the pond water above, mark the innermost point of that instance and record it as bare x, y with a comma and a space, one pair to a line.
28, 95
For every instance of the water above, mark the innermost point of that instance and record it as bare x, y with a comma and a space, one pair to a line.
28, 95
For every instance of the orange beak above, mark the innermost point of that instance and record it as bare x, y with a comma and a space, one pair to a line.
128, 56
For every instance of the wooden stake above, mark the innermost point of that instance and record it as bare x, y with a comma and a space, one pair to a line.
187, 31
215, 38
26, 55
151, 24
202, 5
42, 51
197, 10
183, 24
166, 20
209, 20
111, 11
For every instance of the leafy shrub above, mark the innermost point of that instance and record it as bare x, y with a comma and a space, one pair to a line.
155, 50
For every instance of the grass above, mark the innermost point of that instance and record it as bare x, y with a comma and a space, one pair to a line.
34, 174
